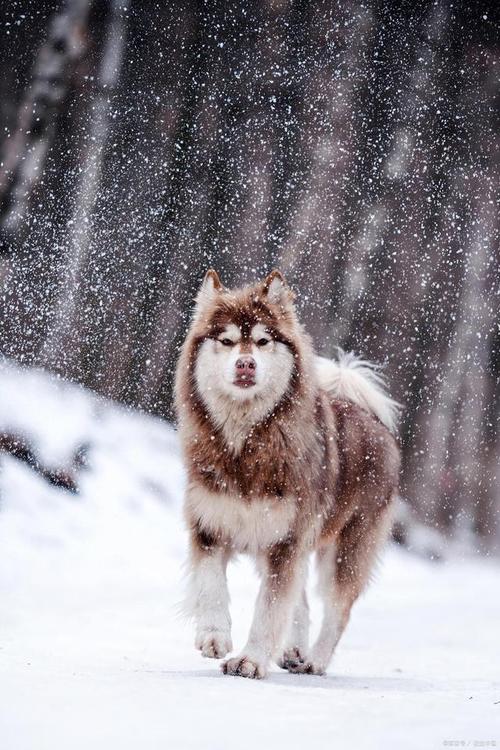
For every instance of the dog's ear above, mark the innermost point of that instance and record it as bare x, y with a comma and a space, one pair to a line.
210, 288
276, 289
211, 282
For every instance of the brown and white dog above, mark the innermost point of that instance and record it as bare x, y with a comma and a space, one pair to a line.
287, 453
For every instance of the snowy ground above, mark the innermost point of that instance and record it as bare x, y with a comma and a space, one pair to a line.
94, 655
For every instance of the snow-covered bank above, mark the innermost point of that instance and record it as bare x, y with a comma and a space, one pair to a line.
93, 654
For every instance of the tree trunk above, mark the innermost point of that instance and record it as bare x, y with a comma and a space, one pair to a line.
24, 153
63, 348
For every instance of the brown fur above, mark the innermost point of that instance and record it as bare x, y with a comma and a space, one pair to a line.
336, 463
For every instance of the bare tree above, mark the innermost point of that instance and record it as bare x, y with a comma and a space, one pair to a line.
60, 343
24, 153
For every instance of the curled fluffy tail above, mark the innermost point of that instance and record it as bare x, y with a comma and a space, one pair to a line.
354, 379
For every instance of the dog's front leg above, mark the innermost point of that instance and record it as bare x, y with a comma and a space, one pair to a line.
282, 576
208, 597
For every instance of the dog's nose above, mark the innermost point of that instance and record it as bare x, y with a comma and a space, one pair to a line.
245, 366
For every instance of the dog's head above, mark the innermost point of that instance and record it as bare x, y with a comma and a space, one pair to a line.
245, 342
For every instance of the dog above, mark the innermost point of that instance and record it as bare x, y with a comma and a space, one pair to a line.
287, 454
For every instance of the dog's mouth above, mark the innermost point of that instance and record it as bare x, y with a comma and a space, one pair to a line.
244, 381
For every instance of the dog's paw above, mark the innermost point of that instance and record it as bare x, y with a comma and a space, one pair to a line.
244, 666
291, 657
213, 644
305, 666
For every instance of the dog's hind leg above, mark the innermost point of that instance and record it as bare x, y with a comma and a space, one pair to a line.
297, 640
343, 571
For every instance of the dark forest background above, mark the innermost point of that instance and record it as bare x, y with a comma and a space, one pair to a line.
354, 145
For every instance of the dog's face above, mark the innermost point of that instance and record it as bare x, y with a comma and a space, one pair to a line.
245, 354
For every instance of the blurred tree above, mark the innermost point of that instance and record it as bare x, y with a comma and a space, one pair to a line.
25, 152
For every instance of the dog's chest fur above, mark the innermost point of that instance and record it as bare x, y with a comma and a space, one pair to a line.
245, 526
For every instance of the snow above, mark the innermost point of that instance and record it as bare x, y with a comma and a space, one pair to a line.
93, 652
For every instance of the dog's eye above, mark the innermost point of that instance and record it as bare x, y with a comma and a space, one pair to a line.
262, 342
226, 342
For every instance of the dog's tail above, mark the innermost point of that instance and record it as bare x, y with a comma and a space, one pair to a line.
354, 379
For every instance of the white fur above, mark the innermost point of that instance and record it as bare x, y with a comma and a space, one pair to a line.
259, 331
235, 410
255, 526
207, 293
250, 527
277, 290
298, 635
272, 611
231, 332
357, 380
329, 635
331, 628
208, 602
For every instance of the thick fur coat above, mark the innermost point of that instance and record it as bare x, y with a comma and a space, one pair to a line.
286, 454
